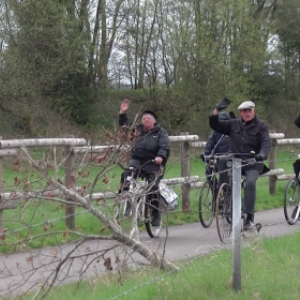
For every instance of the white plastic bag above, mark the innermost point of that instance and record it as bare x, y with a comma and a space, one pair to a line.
169, 197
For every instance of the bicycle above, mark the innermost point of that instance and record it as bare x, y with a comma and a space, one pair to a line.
292, 199
207, 199
224, 206
142, 209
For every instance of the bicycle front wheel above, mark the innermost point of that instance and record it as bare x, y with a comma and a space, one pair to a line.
124, 212
153, 231
223, 212
206, 204
291, 201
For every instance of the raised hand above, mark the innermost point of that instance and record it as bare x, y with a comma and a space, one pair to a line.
124, 106
223, 104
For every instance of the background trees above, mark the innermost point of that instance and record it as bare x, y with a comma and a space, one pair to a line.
78, 58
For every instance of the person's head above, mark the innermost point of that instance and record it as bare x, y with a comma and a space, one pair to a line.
224, 115
148, 119
247, 110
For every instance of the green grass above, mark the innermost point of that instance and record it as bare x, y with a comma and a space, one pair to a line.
36, 217
270, 269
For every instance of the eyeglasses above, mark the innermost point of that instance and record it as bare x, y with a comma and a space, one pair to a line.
246, 109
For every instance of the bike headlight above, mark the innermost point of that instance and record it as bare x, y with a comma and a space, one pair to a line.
229, 164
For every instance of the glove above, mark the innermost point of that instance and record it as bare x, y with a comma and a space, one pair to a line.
259, 157
223, 104
202, 156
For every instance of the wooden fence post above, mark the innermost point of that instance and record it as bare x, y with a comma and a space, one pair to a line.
69, 182
185, 172
272, 165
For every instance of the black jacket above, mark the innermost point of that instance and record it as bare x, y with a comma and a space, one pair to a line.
149, 144
218, 143
244, 137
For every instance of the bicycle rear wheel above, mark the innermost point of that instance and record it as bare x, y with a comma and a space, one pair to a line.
291, 201
206, 204
223, 212
153, 231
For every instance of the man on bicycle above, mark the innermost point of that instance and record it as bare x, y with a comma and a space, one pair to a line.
152, 143
246, 134
217, 143
296, 166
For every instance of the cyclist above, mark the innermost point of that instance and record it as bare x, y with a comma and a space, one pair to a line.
152, 143
296, 166
246, 134
217, 143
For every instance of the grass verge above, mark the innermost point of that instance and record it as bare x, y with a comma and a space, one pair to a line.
270, 269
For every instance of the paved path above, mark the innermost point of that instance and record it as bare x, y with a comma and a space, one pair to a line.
21, 271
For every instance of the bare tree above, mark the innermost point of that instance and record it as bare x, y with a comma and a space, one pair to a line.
78, 259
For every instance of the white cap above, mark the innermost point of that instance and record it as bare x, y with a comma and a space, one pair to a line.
246, 104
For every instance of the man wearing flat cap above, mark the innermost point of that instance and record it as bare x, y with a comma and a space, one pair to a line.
152, 143
247, 134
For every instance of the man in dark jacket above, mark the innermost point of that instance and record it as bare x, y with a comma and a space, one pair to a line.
217, 143
246, 134
296, 166
152, 143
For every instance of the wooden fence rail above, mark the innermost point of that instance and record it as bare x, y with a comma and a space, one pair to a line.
9, 148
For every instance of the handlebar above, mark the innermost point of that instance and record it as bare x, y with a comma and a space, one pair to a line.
212, 159
138, 167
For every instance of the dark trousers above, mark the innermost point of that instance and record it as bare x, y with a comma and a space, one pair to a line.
251, 172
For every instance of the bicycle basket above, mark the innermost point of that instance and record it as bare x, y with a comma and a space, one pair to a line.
170, 198
296, 166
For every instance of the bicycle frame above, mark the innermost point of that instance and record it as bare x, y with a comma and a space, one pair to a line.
141, 208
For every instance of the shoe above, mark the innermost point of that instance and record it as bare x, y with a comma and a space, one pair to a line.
248, 225
155, 221
128, 211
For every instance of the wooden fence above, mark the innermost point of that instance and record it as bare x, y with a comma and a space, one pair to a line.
186, 142
10, 147
74, 146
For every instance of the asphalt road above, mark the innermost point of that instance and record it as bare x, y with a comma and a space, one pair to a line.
25, 271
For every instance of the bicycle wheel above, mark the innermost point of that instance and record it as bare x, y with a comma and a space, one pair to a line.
291, 201
124, 212
223, 213
206, 204
243, 186
153, 231
140, 210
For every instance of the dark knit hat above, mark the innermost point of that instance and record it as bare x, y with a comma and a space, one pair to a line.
224, 115
149, 112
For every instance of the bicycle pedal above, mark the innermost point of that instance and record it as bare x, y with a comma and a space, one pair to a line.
258, 226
